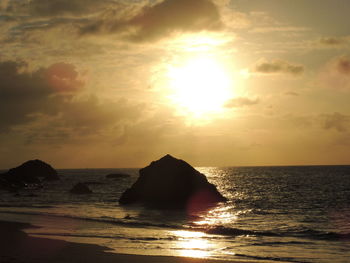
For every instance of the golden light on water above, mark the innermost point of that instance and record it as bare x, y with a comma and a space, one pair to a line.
194, 253
192, 244
200, 244
200, 86
188, 234
217, 216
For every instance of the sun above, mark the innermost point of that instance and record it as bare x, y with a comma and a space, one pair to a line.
200, 86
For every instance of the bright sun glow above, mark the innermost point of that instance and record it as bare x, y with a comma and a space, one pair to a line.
201, 86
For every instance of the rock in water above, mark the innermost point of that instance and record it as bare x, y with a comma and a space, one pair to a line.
171, 183
80, 188
30, 172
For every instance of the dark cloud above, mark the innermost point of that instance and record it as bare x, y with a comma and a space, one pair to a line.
334, 41
47, 8
278, 66
47, 105
343, 65
24, 94
89, 118
138, 21
159, 20
241, 102
336, 121
60, 7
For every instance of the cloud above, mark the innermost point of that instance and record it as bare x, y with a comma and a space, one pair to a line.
336, 121
62, 7
283, 29
44, 8
292, 93
87, 118
48, 105
241, 102
23, 93
334, 41
92, 114
277, 66
64, 28
336, 74
161, 19
343, 65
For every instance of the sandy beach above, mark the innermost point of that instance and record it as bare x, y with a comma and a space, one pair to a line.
17, 246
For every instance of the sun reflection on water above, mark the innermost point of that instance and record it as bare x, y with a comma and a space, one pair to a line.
217, 216
194, 253
193, 244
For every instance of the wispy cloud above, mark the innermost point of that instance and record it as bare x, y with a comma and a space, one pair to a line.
334, 42
292, 93
283, 29
343, 65
241, 102
336, 121
277, 66
336, 74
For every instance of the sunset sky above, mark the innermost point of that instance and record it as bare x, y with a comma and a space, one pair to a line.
116, 83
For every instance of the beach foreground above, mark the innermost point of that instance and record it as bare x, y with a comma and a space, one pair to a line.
17, 246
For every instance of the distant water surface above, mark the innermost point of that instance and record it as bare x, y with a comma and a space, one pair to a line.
274, 214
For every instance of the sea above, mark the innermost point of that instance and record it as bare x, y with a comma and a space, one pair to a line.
273, 214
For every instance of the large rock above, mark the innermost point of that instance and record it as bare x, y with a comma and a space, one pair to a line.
171, 183
30, 172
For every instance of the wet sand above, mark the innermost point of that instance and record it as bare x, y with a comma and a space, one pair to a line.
18, 247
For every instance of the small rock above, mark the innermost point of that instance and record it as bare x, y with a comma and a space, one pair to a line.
80, 188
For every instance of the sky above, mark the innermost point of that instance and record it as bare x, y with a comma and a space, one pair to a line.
117, 83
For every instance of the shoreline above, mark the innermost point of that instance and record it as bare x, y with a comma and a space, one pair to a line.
17, 246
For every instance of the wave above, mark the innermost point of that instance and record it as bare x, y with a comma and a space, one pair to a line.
105, 236
282, 243
228, 231
26, 206
306, 233
114, 221
323, 235
279, 259
218, 230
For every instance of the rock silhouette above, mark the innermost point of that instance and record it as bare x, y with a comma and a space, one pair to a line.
171, 183
80, 188
32, 172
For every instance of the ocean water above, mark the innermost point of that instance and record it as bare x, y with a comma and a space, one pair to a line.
274, 214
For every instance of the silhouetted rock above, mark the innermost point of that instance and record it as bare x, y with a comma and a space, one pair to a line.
30, 173
117, 176
4, 185
171, 183
80, 188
